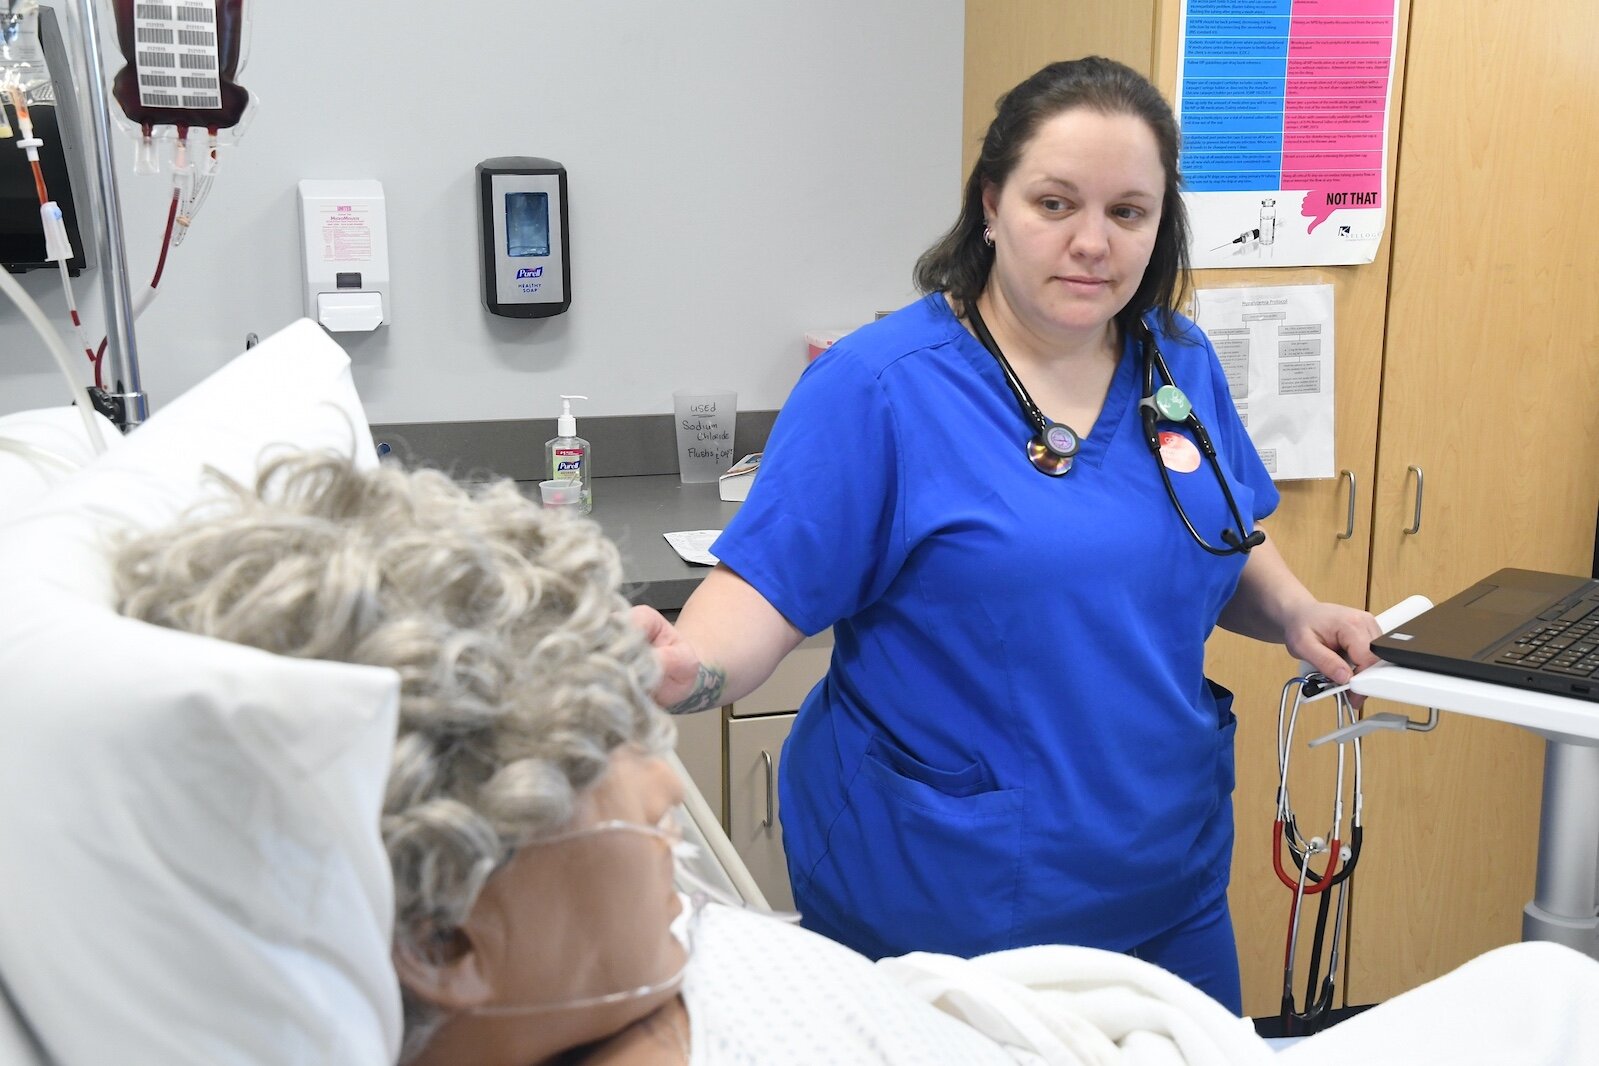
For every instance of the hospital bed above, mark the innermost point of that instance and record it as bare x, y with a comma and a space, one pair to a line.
189, 860
190, 868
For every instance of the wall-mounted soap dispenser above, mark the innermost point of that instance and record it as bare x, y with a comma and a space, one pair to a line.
345, 241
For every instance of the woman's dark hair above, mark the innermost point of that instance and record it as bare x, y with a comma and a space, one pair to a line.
960, 262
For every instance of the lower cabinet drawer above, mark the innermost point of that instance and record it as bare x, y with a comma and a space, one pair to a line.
754, 754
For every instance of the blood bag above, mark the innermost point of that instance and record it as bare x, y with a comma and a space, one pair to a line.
183, 57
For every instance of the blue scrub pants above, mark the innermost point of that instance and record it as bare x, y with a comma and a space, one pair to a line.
1203, 952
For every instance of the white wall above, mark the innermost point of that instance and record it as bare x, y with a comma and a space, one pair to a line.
740, 171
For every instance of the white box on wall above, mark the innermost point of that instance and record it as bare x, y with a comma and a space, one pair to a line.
344, 242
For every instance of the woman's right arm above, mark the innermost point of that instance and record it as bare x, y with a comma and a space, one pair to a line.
727, 641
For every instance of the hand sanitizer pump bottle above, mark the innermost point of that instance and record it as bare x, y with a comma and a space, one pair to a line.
566, 455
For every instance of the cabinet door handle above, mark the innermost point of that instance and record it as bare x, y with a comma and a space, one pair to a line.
1349, 522
771, 781
1415, 522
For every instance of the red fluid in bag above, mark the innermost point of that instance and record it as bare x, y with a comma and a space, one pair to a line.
181, 59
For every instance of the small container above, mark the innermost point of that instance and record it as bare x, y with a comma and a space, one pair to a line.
705, 425
562, 493
818, 341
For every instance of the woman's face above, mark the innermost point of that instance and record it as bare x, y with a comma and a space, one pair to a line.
590, 915
1074, 225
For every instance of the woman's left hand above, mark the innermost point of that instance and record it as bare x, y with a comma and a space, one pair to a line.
1332, 638
1271, 604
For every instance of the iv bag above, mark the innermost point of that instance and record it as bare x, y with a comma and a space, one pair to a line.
183, 57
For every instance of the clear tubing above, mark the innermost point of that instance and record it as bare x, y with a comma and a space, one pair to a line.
58, 348
517, 1010
616, 892
34, 453
72, 310
698, 896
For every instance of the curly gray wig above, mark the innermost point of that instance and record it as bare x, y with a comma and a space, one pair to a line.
520, 671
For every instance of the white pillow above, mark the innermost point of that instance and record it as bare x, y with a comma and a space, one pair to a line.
40, 449
17, 1045
190, 864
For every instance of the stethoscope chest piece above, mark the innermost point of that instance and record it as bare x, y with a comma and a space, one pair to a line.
1053, 449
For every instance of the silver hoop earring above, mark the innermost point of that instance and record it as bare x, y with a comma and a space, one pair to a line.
988, 236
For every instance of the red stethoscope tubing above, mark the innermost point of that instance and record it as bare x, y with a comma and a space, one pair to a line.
1293, 883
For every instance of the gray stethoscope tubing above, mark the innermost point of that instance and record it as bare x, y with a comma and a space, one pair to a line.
1340, 866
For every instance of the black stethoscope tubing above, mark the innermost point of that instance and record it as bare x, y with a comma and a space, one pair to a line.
1319, 989
1235, 538
1054, 444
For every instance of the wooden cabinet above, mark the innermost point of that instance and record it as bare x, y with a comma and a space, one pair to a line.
1489, 372
754, 753
755, 728
734, 756
1474, 347
1305, 530
1468, 349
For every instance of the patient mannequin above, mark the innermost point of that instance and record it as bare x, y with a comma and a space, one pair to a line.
526, 822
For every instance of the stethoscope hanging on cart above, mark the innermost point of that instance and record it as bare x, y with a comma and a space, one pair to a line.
1339, 867
1054, 444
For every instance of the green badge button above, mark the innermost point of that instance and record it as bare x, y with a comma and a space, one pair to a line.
1172, 404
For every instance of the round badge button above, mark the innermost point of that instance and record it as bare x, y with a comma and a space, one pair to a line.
1178, 453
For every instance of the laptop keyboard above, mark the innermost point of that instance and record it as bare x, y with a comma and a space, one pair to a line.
1563, 640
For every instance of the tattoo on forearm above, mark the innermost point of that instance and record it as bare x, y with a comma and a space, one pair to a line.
708, 686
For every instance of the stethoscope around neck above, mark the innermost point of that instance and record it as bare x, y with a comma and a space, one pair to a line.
1054, 445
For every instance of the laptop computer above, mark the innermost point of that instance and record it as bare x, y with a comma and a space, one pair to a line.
1523, 628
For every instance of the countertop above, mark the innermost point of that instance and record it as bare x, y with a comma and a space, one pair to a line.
634, 512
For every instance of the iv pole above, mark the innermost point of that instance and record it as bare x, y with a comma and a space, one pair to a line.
127, 392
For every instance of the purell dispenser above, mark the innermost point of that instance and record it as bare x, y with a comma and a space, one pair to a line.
526, 258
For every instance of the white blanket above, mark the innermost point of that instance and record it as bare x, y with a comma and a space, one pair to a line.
1526, 1004
1068, 1006
1523, 1005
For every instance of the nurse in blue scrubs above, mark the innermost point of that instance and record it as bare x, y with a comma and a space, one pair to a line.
1016, 742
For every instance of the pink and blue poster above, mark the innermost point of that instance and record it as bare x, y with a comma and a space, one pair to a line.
1284, 107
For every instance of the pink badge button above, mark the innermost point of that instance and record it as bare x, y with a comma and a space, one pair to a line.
1178, 453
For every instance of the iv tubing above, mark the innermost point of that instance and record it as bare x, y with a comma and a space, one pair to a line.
146, 296
31, 144
77, 321
52, 340
28, 143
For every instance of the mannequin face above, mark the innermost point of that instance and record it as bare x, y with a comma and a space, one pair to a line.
591, 914
576, 917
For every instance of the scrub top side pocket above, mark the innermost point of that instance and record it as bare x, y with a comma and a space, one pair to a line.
920, 859
1226, 734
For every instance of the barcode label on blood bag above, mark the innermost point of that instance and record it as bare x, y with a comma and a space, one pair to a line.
171, 37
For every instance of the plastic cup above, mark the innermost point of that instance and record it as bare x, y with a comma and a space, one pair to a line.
564, 492
705, 420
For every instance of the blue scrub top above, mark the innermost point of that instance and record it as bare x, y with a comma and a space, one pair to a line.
1015, 742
